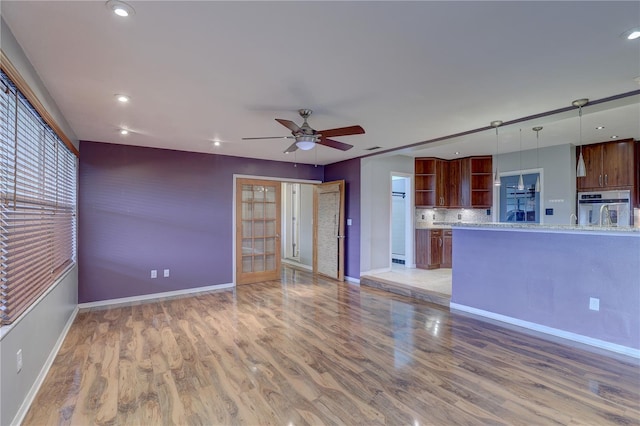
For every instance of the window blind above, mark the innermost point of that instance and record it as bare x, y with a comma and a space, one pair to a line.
37, 204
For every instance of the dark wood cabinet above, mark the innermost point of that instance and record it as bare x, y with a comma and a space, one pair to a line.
481, 184
637, 183
609, 165
459, 183
433, 248
431, 182
447, 249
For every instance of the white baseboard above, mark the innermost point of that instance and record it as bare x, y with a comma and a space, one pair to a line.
352, 280
28, 400
613, 347
153, 296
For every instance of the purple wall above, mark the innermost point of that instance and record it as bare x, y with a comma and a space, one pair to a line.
144, 208
547, 278
349, 171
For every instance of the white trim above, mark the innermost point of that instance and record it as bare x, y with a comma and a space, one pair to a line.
6, 329
28, 400
613, 347
352, 280
154, 296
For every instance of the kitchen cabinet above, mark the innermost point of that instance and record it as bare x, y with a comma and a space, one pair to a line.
608, 165
431, 182
447, 249
481, 184
433, 248
637, 183
460, 183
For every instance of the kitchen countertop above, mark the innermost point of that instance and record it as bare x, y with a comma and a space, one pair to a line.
535, 227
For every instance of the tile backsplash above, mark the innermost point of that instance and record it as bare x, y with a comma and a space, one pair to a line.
450, 215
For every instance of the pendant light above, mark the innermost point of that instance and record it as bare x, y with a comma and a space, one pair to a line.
520, 180
496, 178
581, 170
537, 130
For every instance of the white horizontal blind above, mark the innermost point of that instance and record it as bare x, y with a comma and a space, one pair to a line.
37, 204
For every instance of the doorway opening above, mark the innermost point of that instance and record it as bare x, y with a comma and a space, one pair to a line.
297, 224
401, 223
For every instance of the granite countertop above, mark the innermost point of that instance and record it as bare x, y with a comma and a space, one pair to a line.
550, 228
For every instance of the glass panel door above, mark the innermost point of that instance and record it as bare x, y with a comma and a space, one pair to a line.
258, 233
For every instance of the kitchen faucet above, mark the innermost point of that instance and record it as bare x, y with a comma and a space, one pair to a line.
605, 209
573, 216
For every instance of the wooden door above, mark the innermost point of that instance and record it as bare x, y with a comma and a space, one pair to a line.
328, 229
442, 183
257, 230
617, 163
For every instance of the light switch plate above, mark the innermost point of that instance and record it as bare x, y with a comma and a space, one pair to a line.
166, 273
594, 303
348, 222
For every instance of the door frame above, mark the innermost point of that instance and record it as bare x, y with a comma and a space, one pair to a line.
233, 212
409, 223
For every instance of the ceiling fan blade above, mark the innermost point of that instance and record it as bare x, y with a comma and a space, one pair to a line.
342, 131
289, 125
268, 137
334, 144
292, 148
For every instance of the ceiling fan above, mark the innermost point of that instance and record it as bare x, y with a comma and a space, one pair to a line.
306, 137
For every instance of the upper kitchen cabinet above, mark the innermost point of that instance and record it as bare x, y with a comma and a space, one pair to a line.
431, 175
464, 182
609, 165
481, 182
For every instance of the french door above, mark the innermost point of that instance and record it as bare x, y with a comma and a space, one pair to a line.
257, 230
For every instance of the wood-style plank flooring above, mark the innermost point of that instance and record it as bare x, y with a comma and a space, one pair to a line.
307, 350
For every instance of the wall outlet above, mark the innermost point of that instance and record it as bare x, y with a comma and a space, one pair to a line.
434, 216
594, 303
154, 273
459, 216
422, 217
166, 273
19, 361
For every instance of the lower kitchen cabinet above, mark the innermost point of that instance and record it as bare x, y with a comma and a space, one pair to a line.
447, 248
433, 248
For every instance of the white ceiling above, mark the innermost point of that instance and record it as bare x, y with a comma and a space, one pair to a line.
406, 71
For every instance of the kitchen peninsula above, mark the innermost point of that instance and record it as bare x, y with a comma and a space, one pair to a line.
579, 283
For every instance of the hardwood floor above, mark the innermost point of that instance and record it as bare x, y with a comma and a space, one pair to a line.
307, 350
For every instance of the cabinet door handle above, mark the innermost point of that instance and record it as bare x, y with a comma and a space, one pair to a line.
440, 242
600, 180
606, 180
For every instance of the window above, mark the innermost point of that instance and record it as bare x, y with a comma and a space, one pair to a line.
37, 203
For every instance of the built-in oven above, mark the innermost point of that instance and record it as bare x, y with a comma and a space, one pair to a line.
605, 208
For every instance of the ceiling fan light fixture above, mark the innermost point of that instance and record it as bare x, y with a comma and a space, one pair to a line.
305, 143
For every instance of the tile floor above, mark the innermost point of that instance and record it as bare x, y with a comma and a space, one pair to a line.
436, 280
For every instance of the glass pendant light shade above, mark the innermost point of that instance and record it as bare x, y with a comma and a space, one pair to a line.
581, 170
538, 184
496, 177
520, 180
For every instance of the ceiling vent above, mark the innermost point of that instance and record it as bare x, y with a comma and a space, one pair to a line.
373, 148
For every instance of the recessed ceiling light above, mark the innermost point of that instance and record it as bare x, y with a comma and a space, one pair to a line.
124, 132
123, 98
120, 8
632, 34
457, 152
216, 143
599, 127
614, 137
